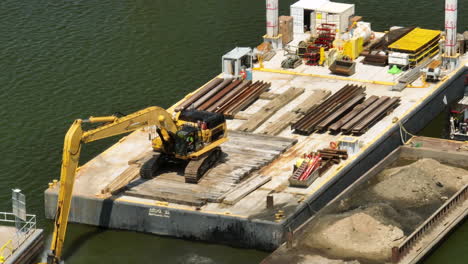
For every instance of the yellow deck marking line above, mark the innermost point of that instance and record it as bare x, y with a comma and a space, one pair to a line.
323, 76
159, 204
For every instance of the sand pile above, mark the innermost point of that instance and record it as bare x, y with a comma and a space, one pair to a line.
356, 236
423, 182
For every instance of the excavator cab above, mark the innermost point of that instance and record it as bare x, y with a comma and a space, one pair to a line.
196, 142
187, 140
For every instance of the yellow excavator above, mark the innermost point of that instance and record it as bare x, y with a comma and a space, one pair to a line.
191, 136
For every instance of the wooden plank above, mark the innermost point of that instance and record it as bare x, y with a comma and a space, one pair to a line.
297, 113
268, 95
312, 101
270, 109
251, 136
242, 116
246, 188
274, 128
225, 177
128, 175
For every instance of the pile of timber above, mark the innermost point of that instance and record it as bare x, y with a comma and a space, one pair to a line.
332, 109
365, 115
226, 96
257, 119
305, 107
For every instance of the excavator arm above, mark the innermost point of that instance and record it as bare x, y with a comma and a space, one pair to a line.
74, 138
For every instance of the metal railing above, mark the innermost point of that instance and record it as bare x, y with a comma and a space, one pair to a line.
23, 232
399, 252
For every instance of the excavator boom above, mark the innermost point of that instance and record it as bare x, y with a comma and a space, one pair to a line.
71, 155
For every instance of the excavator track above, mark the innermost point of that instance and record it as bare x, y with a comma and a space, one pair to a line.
197, 168
149, 168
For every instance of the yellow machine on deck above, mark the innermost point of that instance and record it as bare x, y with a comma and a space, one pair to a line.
192, 137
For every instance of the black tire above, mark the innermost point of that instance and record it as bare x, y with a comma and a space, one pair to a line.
149, 168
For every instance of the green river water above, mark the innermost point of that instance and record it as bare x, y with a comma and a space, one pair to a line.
62, 60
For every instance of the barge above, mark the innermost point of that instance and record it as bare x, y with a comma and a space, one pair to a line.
247, 199
383, 219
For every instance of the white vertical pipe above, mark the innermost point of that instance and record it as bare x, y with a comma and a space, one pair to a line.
450, 27
272, 18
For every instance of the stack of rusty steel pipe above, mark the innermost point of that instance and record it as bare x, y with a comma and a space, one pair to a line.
332, 109
226, 96
366, 115
334, 155
347, 111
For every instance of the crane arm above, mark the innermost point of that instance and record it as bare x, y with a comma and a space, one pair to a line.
71, 155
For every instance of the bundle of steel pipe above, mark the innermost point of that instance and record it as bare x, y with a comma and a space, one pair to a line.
194, 97
356, 110
368, 115
226, 96
242, 99
383, 110
331, 109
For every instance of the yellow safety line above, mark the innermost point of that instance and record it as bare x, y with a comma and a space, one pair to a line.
324, 76
163, 204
